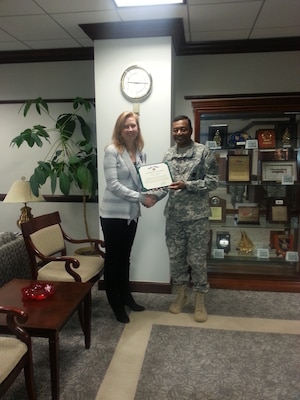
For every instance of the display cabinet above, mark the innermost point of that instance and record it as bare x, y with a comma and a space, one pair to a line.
254, 223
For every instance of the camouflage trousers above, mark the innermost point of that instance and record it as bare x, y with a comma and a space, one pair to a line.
187, 243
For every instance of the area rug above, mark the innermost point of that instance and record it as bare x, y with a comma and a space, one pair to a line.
207, 364
82, 371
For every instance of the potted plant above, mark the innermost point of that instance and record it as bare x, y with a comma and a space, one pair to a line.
72, 158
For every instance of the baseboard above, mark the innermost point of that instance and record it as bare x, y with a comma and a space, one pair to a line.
145, 287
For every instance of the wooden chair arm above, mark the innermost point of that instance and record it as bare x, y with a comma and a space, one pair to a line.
99, 242
70, 263
15, 316
95, 243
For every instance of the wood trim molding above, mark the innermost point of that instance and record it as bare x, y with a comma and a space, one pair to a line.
145, 287
150, 28
276, 102
216, 281
62, 198
46, 55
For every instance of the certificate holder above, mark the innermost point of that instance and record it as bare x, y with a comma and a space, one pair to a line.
154, 176
238, 168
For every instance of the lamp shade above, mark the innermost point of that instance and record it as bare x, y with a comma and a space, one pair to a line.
21, 192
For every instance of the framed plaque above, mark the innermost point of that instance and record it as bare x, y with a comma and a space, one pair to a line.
218, 209
266, 138
238, 168
155, 175
248, 214
277, 210
276, 171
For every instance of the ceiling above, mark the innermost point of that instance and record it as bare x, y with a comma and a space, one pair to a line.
55, 24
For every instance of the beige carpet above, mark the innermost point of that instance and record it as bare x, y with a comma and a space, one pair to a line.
122, 376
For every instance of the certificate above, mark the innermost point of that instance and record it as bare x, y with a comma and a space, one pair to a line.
275, 171
155, 176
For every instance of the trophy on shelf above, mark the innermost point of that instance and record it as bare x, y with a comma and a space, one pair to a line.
286, 138
245, 245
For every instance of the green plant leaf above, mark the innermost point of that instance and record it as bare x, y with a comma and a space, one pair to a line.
85, 129
85, 178
34, 184
66, 125
75, 160
64, 183
53, 179
27, 106
79, 101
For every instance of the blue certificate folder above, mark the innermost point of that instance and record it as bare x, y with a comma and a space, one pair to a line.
154, 176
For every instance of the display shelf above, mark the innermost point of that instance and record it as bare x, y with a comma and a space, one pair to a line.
255, 240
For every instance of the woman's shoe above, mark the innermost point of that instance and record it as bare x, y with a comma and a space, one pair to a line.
134, 306
121, 316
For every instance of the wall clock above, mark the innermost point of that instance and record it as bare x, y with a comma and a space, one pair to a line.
136, 83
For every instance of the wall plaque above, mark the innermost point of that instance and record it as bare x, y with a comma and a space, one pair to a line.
266, 138
218, 209
238, 168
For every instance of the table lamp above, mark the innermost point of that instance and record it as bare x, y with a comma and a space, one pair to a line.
20, 192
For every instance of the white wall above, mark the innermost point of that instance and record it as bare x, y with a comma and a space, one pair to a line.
149, 260
53, 80
193, 75
234, 74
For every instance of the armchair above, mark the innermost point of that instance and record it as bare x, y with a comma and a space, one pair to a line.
45, 241
16, 353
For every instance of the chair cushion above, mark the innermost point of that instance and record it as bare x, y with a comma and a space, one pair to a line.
11, 352
48, 240
55, 270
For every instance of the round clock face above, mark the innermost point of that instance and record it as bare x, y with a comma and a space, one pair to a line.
224, 242
136, 83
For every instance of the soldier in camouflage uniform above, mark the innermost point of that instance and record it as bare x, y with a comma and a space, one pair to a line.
195, 172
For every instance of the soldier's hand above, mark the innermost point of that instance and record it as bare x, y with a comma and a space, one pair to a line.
177, 185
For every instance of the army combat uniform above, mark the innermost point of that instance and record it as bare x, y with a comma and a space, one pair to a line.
187, 212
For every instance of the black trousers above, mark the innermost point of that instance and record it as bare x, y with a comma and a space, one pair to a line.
118, 237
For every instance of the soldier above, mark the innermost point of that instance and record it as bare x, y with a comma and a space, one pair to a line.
195, 172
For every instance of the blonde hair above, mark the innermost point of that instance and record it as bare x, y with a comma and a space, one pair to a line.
119, 126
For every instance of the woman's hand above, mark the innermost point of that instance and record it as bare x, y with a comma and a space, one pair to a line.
150, 200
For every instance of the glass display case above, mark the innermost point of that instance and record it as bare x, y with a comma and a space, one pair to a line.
254, 222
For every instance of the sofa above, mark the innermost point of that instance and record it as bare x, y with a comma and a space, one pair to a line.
14, 261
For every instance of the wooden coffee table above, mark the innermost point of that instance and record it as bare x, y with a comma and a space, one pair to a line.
47, 317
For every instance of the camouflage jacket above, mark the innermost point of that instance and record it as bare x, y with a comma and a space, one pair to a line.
197, 167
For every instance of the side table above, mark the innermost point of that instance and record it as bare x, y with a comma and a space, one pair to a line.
47, 317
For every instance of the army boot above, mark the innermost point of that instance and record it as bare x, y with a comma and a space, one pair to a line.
200, 311
181, 299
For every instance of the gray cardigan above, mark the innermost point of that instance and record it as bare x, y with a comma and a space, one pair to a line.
122, 195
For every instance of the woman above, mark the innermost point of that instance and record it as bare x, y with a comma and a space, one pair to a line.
120, 210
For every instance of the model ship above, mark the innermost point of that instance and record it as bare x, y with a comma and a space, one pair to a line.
245, 245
